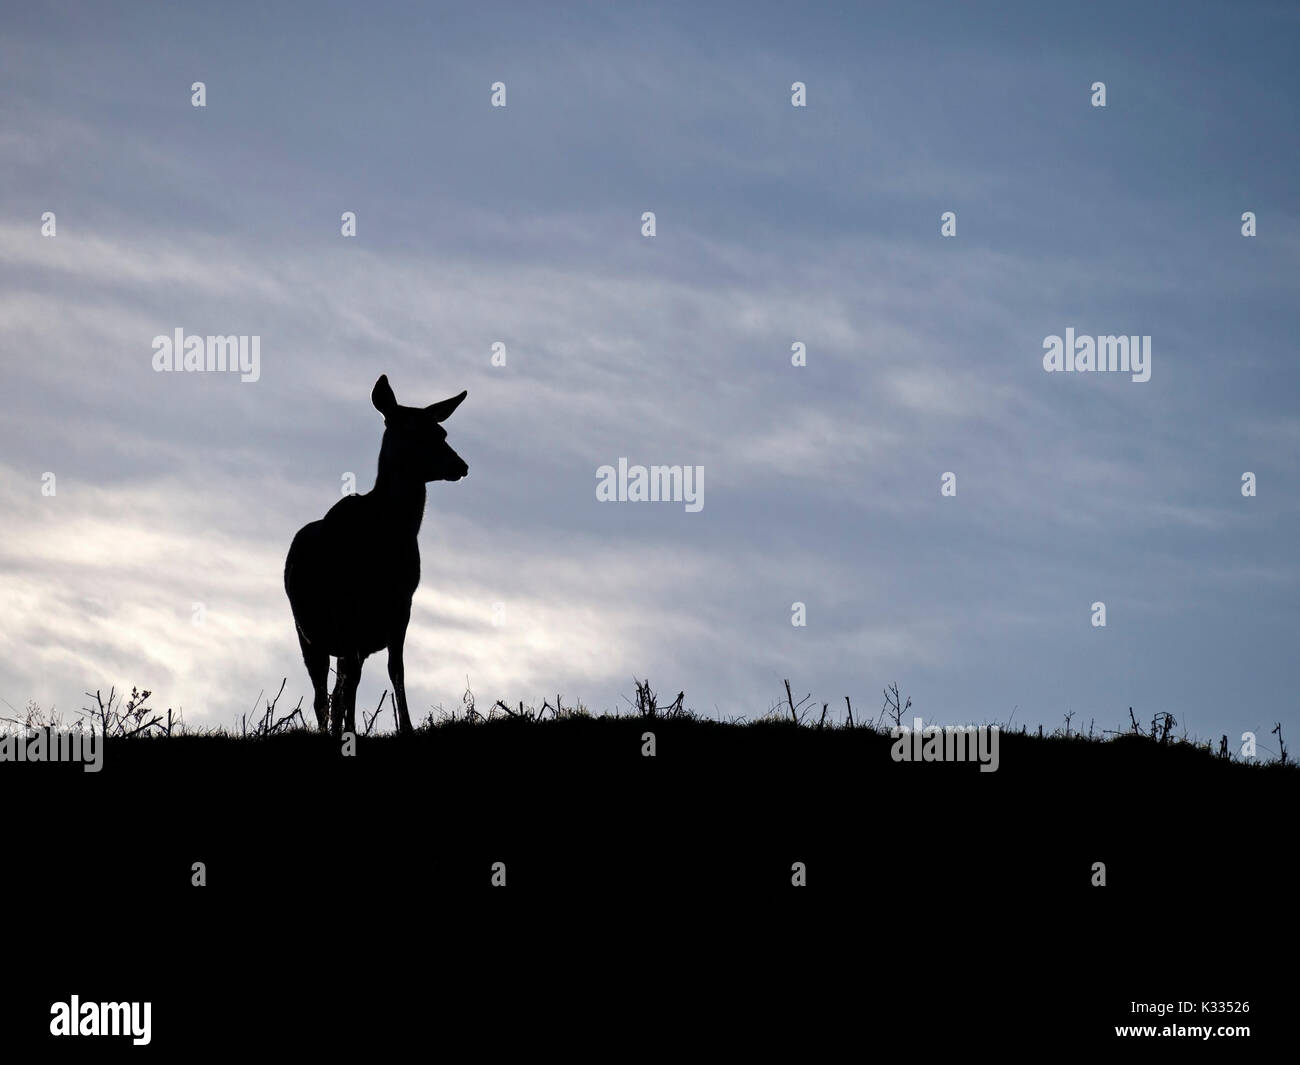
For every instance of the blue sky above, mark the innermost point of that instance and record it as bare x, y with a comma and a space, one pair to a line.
775, 224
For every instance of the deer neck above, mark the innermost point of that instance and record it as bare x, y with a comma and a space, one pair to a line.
401, 498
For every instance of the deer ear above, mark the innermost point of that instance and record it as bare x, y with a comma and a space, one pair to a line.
382, 396
442, 411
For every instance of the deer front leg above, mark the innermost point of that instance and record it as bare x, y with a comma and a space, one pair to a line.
397, 674
352, 680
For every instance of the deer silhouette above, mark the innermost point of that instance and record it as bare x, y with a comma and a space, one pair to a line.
350, 576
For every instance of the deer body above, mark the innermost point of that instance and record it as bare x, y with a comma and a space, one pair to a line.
351, 575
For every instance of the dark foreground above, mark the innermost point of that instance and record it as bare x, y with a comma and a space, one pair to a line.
575, 807
914, 872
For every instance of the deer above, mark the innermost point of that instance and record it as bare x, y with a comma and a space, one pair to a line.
350, 576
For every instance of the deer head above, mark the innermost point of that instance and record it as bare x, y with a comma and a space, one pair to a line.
415, 443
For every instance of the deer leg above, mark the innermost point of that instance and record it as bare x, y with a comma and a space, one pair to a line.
339, 697
318, 668
397, 674
350, 696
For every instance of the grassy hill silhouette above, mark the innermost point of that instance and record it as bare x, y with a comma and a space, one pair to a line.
570, 801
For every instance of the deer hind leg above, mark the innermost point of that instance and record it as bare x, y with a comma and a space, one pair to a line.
337, 698
348, 676
318, 668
